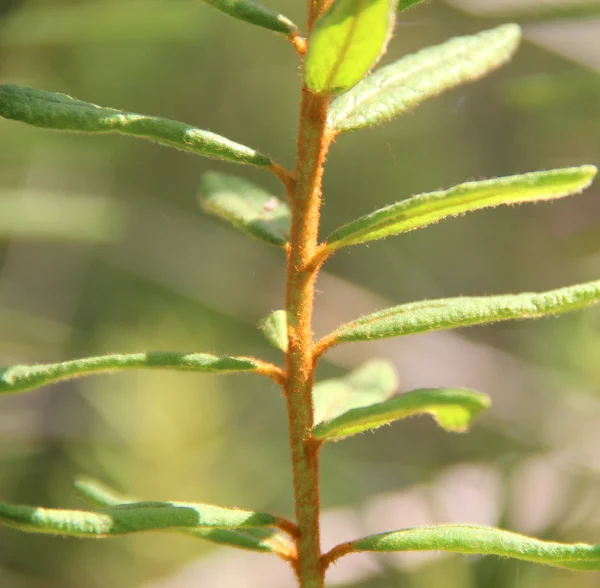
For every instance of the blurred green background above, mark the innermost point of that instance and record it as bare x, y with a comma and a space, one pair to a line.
103, 249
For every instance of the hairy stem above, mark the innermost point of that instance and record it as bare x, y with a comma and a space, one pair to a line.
313, 142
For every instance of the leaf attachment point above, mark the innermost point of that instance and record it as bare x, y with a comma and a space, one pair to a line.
255, 14
452, 408
346, 42
63, 113
247, 207
265, 540
20, 378
469, 539
373, 382
396, 88
422, 210
451, 313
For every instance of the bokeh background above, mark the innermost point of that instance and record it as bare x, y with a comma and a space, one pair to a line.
103, 249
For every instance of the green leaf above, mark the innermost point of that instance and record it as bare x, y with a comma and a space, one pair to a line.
275, 329
266, 540
255, 14
64, 113
250, 209
404, 4
452, 408
471, 539
346, 43
398, 87
374, 381
20, 378
451, 313
131, 518
425, 209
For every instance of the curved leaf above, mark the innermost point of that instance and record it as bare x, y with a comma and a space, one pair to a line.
346, 42
267, 540
398, 87
130, 518
250, 209
451, 313
372, 382
64, 113
275, 329
484, 541
255, 14
425, 209
20, 378
452, 408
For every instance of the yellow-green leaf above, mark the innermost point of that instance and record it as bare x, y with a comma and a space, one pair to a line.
346, 43
425, 209
452, 408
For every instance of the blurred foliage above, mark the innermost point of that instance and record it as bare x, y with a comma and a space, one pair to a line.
111, 262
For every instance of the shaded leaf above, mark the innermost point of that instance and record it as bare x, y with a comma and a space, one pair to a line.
20, 378
452, 408
268, 540
372, 382
247, 207
346, 42
398, 87
255, 14
450, 313
64, 113
424, 209
130, 518
471, 539
404, 4
275, 329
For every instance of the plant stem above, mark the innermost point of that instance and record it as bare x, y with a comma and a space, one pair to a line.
313, 142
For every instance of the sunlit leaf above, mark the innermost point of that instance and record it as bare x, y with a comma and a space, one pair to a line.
346, 43
424, 209
452, 408
131, 518
373, 382
469, 539
398, 87
254, 14
20, 378
247, 207
64, 113
451, 313
275, 329
268, 540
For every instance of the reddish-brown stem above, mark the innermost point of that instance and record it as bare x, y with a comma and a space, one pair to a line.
299, 43
313, 143
335, 554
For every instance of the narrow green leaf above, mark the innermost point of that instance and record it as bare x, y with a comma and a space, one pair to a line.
346, 43
451, 313
398, 87
250, 209
374, 381
275, 329
64, 113
452, 408
471, 539
20, 378
131, 518
267, 540
425, 209
404, 4
255, 14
